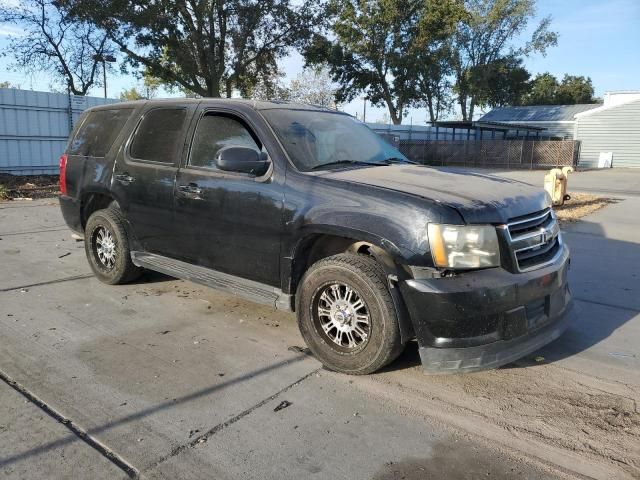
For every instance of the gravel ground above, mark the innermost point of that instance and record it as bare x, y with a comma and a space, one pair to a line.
580, 205
14, 187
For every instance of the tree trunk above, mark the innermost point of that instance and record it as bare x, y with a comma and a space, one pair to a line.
213, 88
471, 109
393, 113
229, 87
462, 100
432, 116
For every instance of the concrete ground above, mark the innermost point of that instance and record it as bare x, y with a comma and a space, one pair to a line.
166, 379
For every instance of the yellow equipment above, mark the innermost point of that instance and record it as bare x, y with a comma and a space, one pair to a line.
555, 183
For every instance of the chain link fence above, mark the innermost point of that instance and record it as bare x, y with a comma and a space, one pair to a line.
516, 154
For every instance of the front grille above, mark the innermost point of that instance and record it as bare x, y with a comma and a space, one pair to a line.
534, 240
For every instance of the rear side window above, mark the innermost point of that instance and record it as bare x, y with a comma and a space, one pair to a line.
158, 135
98, 132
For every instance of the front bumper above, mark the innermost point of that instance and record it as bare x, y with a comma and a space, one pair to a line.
488, 318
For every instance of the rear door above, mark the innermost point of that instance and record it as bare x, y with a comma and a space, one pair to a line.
145, 173
231, 221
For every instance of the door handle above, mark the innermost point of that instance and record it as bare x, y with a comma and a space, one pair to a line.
124, 178
192, 190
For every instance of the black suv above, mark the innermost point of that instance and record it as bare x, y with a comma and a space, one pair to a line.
306, 209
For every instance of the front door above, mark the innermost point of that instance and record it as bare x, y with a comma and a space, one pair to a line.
145, 173
231, 221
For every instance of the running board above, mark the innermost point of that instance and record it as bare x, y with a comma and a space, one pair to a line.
248, 289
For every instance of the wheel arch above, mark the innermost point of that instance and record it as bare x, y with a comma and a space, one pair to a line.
94, 200
320, 244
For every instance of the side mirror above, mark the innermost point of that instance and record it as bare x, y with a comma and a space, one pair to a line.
242, 159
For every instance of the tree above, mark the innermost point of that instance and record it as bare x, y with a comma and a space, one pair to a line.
575, 89
51, 41
375, 47
542, 90
486, 36
150, 85
313, 85
434, 84
546, 90
131, 94
502, 82
6, 84
208, 47
269, 88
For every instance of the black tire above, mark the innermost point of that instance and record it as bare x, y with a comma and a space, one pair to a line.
367, 279
120, 269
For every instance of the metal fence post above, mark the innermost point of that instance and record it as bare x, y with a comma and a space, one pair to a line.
533, 146
70, 109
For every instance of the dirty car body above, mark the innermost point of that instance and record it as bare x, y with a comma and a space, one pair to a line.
475, 264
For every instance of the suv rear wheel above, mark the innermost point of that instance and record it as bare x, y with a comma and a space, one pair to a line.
107, 247
346, 314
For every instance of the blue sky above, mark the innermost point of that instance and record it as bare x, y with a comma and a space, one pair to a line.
599, 39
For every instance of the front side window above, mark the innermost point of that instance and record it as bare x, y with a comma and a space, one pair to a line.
98, 132
317, 140
157, 138
215, 132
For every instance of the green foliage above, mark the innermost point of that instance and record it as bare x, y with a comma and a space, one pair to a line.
546, 90
543, 90
52, 41
6, 84
4, 195
131, 94
575, 89
376, 47
501, 82
434, 82
487, 36
268, 87
205, 47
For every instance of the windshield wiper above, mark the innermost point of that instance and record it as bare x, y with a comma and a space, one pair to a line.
391, 160
347, 162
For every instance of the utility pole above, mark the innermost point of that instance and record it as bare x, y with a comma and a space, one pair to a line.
104, 59
364, 112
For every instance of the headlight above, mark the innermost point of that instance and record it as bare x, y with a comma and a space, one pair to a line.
464, 246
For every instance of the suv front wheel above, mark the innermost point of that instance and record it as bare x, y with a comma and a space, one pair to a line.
346, 314
107, 247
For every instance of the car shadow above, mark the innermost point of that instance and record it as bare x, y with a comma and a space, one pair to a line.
149, 276
604, 282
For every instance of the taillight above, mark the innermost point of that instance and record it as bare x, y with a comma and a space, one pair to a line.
63, 174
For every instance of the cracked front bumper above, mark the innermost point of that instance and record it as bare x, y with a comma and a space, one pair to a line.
488, 318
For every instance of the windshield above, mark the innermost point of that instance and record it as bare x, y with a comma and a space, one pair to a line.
315, 140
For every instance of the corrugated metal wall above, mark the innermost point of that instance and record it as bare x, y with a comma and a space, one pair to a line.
616, 130
562, 130
34, 127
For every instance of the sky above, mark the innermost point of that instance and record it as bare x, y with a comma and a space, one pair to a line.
597, 38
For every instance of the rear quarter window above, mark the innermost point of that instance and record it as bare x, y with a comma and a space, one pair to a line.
98, 132
158, 135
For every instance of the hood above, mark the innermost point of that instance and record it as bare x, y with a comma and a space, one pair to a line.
478, 197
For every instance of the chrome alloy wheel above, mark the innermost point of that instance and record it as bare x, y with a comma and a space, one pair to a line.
343, 316
105, 247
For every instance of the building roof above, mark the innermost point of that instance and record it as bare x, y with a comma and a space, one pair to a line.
483, 124
607, 107
537, 113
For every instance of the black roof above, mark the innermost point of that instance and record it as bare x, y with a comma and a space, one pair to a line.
255, 104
